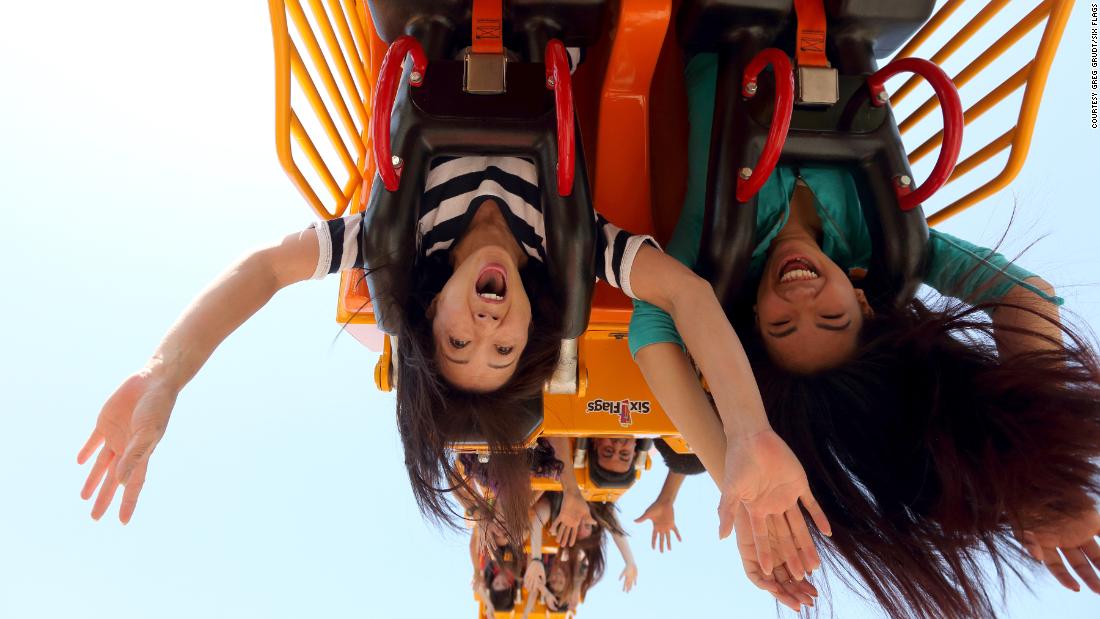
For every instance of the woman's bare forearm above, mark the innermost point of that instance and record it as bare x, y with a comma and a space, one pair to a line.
1035, 316
227, 303
563, 451
701, 322
671, 488
673, 382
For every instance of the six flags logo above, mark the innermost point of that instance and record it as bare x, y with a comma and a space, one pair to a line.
623, 408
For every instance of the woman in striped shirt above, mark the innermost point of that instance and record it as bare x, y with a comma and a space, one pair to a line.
477, 340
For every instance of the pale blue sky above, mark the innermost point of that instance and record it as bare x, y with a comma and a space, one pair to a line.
136, 162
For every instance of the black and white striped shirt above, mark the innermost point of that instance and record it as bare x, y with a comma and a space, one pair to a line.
454, 189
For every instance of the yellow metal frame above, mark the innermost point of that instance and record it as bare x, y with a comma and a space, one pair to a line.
348, 47
1032, 76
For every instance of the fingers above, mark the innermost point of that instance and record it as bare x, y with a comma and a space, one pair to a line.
759, 524
1092, 551
95, 476
1084, 569
678, 538
130, 494
137, 453
782, 593
106, 492
788, 552
727, 511
93, 443
1031, 545
802, 540
1053, 561
816, 513
800, 591
653, 540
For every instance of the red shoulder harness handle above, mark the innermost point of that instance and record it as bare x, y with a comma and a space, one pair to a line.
559, 80
389, 76
750, 180
908, 198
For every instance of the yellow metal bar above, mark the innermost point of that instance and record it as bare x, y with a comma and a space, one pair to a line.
359, 29
321, 64
300, 136
348, 42
340, 60
995, 51
987, 13
987, 102
314, 98
281, 39
983, 154
1029, 111
932, 25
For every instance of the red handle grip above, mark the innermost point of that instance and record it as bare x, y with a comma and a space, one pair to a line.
389, 76
948, 95
559, 80
750, 180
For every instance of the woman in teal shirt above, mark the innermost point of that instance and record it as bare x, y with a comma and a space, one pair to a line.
929, 434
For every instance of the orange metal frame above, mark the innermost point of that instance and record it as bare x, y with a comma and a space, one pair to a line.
1032, 75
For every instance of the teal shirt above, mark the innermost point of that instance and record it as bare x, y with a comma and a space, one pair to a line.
956, 268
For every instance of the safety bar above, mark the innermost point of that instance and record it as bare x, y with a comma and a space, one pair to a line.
560, 81
750, 181
1032, 77
950, 105
389, 167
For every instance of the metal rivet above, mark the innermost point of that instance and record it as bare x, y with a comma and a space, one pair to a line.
904, 180
416, 77
483, 457
550, 82
396, 161
746, 173
751, 88
883, 96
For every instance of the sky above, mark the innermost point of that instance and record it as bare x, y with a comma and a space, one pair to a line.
137, 161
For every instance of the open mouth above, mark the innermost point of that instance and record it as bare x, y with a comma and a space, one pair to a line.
797, 269
492, 283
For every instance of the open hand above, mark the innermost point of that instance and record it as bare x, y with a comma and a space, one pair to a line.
787, 590
1076, 539
765, 477
534, 577
664, 524
574, 510
128, 429
629, 576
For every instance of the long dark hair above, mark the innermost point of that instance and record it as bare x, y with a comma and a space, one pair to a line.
927, 450
432, 414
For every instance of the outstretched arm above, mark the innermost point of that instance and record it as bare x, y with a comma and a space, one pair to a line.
663, 514
134, 418
574, 509
629, 575
673, 381
757, 467
1030, 313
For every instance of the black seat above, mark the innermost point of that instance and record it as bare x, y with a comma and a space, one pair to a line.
577, 23
439, 118
851, 133
881, 26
